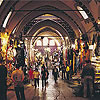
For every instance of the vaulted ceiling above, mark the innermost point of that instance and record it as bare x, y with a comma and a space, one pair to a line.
28, 16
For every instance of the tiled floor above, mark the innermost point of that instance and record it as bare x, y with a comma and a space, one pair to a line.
59, 91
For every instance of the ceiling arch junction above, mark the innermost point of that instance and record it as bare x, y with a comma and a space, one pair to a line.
50, 9
65, 31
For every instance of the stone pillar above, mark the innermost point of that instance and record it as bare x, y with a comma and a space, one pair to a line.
28, 51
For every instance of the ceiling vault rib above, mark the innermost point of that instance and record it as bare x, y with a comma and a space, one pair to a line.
43, 36
47, 10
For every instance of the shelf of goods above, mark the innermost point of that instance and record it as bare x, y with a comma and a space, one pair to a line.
96, 63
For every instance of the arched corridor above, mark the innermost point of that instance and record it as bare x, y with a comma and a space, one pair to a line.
61, 33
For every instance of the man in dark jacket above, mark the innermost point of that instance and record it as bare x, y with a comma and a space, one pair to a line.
63, 71
88, 75
44, 76
3, 81
55, 74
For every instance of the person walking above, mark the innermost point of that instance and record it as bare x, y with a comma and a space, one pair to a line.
3, 81
63, 71
36, 75
55, 74
67, 71
31, 77
44, 76
88, 75
46, 69
18, 77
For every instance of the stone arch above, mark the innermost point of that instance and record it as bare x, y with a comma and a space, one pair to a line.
49, 23
60, 14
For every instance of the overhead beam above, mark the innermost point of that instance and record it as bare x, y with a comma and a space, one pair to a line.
44, 36
46, 10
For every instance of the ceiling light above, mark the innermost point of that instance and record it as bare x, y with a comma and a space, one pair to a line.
6, 20
82, 12
98, 21
1, 2
66, 38
14, 30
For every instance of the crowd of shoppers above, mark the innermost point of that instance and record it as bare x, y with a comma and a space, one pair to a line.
17, 76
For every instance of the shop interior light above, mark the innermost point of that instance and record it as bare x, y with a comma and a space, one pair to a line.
4, 42
73, 46
19, 45
14, 52
79, 52
82, 43
12, 39
91, 47
66, 38
21, 41
98, 21
7, 18
83, 13
4, 38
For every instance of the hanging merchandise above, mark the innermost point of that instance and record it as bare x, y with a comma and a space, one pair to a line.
76, 44
97, 50
85, 38
9, 53
4, 40
93, 41
66, 54
11, 42
73, 61
15, 43
78, 41
86, 51
20, 56
0, 44
81, 53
